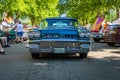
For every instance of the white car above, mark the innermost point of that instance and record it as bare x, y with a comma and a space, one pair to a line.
25, 35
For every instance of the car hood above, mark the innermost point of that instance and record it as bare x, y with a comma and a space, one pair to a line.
59, 33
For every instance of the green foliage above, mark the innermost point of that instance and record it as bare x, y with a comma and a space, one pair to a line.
84, 10
87, 10
34, 9
1, 19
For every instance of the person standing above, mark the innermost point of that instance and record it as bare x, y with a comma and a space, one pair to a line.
3, 38
19, 30
1, 49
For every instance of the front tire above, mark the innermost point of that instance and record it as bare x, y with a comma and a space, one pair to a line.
83, 55
111, 44
96, 40
24, 39
35, 55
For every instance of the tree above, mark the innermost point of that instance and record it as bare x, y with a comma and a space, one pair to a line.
87, 10
40, 9
16, 7
34, 9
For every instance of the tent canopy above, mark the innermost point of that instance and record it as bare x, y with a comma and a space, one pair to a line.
116, 21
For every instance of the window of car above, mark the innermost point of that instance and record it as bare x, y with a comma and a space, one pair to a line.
58, 23
113, 26
43, 24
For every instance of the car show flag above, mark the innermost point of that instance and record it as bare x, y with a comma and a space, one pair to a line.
97, 24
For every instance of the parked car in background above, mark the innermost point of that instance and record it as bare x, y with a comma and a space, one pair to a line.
25, 34
112, 35
97, 35
96, 29
59, 36
26, 30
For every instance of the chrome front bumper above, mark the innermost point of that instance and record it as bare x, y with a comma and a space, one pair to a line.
64, 46
97, 36
83, 48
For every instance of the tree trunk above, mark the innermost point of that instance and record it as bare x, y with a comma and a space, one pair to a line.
117, 12
32, 21
83, 21
86, 21
17, 16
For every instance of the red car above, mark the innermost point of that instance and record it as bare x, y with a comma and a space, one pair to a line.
112, 35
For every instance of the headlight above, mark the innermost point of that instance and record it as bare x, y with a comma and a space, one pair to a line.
112, 32
34, 35
82, 34
34, 46
88, 34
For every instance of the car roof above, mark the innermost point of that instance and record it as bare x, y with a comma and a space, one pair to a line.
114, 25
67, 18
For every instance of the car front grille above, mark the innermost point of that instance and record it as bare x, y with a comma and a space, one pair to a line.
113, 38
54, 44
53, 36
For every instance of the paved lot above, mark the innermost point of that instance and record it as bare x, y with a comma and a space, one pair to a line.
103, 63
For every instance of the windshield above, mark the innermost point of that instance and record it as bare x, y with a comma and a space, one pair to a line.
59, 23
113, 26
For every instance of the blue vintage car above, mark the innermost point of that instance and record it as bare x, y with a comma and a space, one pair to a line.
59, 36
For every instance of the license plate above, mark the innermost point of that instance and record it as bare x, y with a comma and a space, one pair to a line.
97, 36
59, 50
